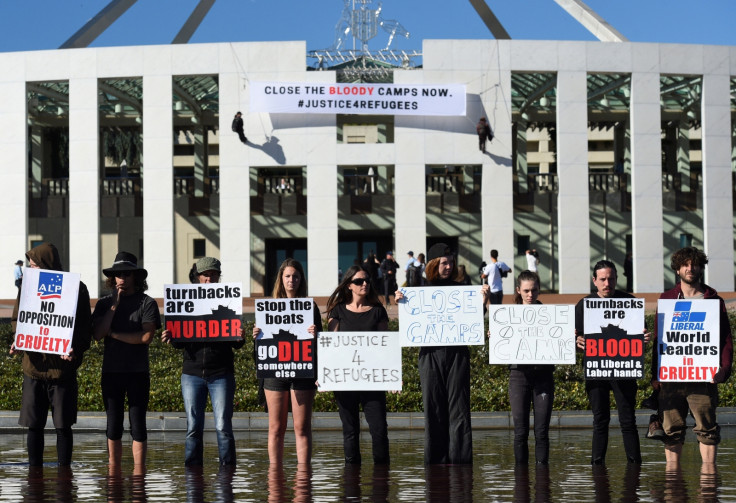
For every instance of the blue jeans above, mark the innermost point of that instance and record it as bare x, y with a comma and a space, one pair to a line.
221, 389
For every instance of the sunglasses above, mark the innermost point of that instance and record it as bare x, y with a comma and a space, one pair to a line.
359, 281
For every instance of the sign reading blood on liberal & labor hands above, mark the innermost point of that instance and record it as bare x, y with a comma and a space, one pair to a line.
46, 313
535, 334
204, 312
441, 316
689, 339
614, 338
285, 348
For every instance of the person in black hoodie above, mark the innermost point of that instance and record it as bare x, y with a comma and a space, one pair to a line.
50, 380
208, 368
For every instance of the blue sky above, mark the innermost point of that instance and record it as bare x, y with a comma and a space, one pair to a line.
46, 24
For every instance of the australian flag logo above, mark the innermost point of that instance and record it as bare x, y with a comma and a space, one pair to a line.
49, 285
683, 314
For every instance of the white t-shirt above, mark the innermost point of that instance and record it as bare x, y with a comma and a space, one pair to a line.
531, 262
493, 274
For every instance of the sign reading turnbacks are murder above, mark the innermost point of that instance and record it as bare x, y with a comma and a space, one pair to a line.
285, 348
359, 361
204, 312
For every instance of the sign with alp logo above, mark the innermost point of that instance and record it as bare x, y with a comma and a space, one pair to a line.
688, 342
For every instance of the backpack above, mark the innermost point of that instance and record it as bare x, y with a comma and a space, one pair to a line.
235, 125
503, 273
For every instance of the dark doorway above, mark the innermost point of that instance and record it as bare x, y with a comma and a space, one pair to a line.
354, 246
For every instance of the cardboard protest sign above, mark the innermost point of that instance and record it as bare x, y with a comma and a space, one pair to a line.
359, 361
206, 312
531, 334
614, 338
285, 348
46, 313
441, 316
688, 339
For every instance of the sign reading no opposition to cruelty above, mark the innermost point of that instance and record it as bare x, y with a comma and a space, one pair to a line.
359, 361
614, 338
357, 98
441, 316
206, 312
285, 347
688, 339
46, 313
533, 334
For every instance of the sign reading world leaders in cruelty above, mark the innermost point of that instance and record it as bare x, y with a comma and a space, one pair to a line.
614, 338
688, 339
531, 334
48, 306
206, 312
356, 98
441, 316
285, 347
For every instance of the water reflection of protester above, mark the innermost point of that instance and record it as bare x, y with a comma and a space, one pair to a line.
208, 368
126, 319
280, 392
50, 380
355, 307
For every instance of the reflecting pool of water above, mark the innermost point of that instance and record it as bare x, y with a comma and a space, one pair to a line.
491, 478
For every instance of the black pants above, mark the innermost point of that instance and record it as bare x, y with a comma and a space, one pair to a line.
527, 385
444, 373
115, 386
374, 408
600, 402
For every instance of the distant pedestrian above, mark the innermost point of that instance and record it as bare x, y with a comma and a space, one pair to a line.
494, 273
388, 268
238, 127
484, 133
18, 273
532, 260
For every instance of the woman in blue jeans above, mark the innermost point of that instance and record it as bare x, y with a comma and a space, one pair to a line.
208, 368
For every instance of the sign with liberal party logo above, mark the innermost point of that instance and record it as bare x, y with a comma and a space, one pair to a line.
688, 342
46, 313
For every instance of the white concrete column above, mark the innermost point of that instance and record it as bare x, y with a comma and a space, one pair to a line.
322, 224
573, 219
36, 161
158, 170
410, 210
683, 155
646, 183
13, 175
84, 181
717, 181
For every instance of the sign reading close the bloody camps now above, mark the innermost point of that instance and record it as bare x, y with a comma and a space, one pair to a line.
205, 312
359, 361
441, 316
614, 338
531, 334
285, 348
688, 339
48, 306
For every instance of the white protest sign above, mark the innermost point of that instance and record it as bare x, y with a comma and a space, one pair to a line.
531, 334
285, 347
205, 312
46, 313
688, 342
359, 361
441, 316
357, 98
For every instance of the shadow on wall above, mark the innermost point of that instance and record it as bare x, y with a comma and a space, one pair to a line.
272, 148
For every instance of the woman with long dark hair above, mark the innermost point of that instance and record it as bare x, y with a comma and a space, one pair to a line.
354, 306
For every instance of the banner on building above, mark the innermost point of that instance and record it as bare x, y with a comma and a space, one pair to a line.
285, 348
359, 361
47, 311
441, 316
688, 339
205, 312
534, 334
614, 338
357, 98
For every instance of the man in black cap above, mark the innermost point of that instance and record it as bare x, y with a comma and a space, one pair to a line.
388, 268
18, 273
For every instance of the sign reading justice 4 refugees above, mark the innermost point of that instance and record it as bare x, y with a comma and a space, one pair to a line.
531, 334
688, 339
285, 347
359, 361
441, 316
46, 313
614, 338
205, 312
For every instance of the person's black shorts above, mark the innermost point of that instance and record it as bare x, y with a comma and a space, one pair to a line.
39, 395
284, 384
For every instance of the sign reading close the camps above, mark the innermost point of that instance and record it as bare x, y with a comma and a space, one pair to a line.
614, 338
46, 313
357, 98
359, 361
285, 348
205, 312
441, 316
531, 334
688, 339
